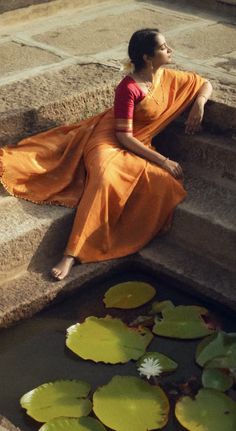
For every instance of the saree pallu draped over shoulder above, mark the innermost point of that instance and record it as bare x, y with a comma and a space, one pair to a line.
122, 200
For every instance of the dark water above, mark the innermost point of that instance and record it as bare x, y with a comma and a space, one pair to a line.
34, 352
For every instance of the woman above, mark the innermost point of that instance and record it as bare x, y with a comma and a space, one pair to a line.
125, 191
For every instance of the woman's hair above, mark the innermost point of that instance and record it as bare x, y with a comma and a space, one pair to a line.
142, 42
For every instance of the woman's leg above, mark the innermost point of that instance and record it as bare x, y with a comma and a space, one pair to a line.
62, 269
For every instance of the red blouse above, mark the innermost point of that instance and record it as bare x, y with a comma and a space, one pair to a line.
127, 95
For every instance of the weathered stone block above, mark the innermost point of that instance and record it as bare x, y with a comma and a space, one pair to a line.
16, 57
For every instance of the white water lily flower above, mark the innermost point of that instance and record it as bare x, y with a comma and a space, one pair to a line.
150, 368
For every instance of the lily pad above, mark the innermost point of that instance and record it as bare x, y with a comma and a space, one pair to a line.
210, 411
130, 294
54, 399
107, 340
217, 351
183, 322
130, 403
71, 424
217, 379
166, 363
158, 307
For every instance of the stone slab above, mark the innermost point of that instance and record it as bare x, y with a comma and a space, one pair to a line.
109, 30
56, 99
6, 425
16, 57
21, 11
224, 8
192, 271
26, 295
37, 91
226, 62
30, 234
17, 4
207, 42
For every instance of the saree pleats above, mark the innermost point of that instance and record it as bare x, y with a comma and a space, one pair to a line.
122, 200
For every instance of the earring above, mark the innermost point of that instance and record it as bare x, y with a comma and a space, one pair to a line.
151, 66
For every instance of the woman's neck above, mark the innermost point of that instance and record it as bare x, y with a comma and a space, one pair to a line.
146, 75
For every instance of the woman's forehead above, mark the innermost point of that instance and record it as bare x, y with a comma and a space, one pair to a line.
160, 39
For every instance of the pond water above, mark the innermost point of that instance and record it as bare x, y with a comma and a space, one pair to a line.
34, 352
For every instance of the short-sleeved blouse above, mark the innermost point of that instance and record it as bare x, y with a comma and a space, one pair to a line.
127, 95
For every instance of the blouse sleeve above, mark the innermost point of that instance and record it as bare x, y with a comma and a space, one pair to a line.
124, 108
124, 102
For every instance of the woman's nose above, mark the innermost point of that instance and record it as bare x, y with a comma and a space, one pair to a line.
169, 49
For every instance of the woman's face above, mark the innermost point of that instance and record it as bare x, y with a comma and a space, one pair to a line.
162, 53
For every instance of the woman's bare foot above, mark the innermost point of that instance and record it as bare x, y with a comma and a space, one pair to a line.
62, 269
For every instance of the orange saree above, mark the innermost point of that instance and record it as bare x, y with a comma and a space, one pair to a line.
122, 200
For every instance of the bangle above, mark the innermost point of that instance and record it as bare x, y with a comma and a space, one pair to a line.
163, 161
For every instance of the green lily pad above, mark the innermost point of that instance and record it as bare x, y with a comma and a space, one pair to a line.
130, 294
217, 351
210, 411
183, 322
217, 379
166, 363
54, 399
130, 403
107, 340
71, 424
158, 307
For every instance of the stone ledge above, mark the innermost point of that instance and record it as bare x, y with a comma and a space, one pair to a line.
34, 291
20, 11
224, 7
49, 100
6, 425
26, 295
10, 5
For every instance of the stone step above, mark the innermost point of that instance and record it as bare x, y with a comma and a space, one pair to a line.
23, 296
192, 272
212, 151
224, 7
30, 234
71, 108
11, 5
65, 106
205, 221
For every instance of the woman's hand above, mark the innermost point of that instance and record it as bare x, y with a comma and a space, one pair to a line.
193, 122
173, 168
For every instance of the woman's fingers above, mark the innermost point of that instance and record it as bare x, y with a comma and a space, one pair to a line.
174, 169
192, 126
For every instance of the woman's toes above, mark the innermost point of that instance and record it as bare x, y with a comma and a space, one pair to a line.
55, 272
63, 268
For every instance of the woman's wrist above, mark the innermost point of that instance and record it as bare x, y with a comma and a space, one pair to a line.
163, 161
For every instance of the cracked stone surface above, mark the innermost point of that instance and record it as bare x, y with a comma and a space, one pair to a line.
98, 34
51, 85
209, 41
15, 57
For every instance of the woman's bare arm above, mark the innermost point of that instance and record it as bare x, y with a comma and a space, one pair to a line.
128, 141
193, 122
205, 92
